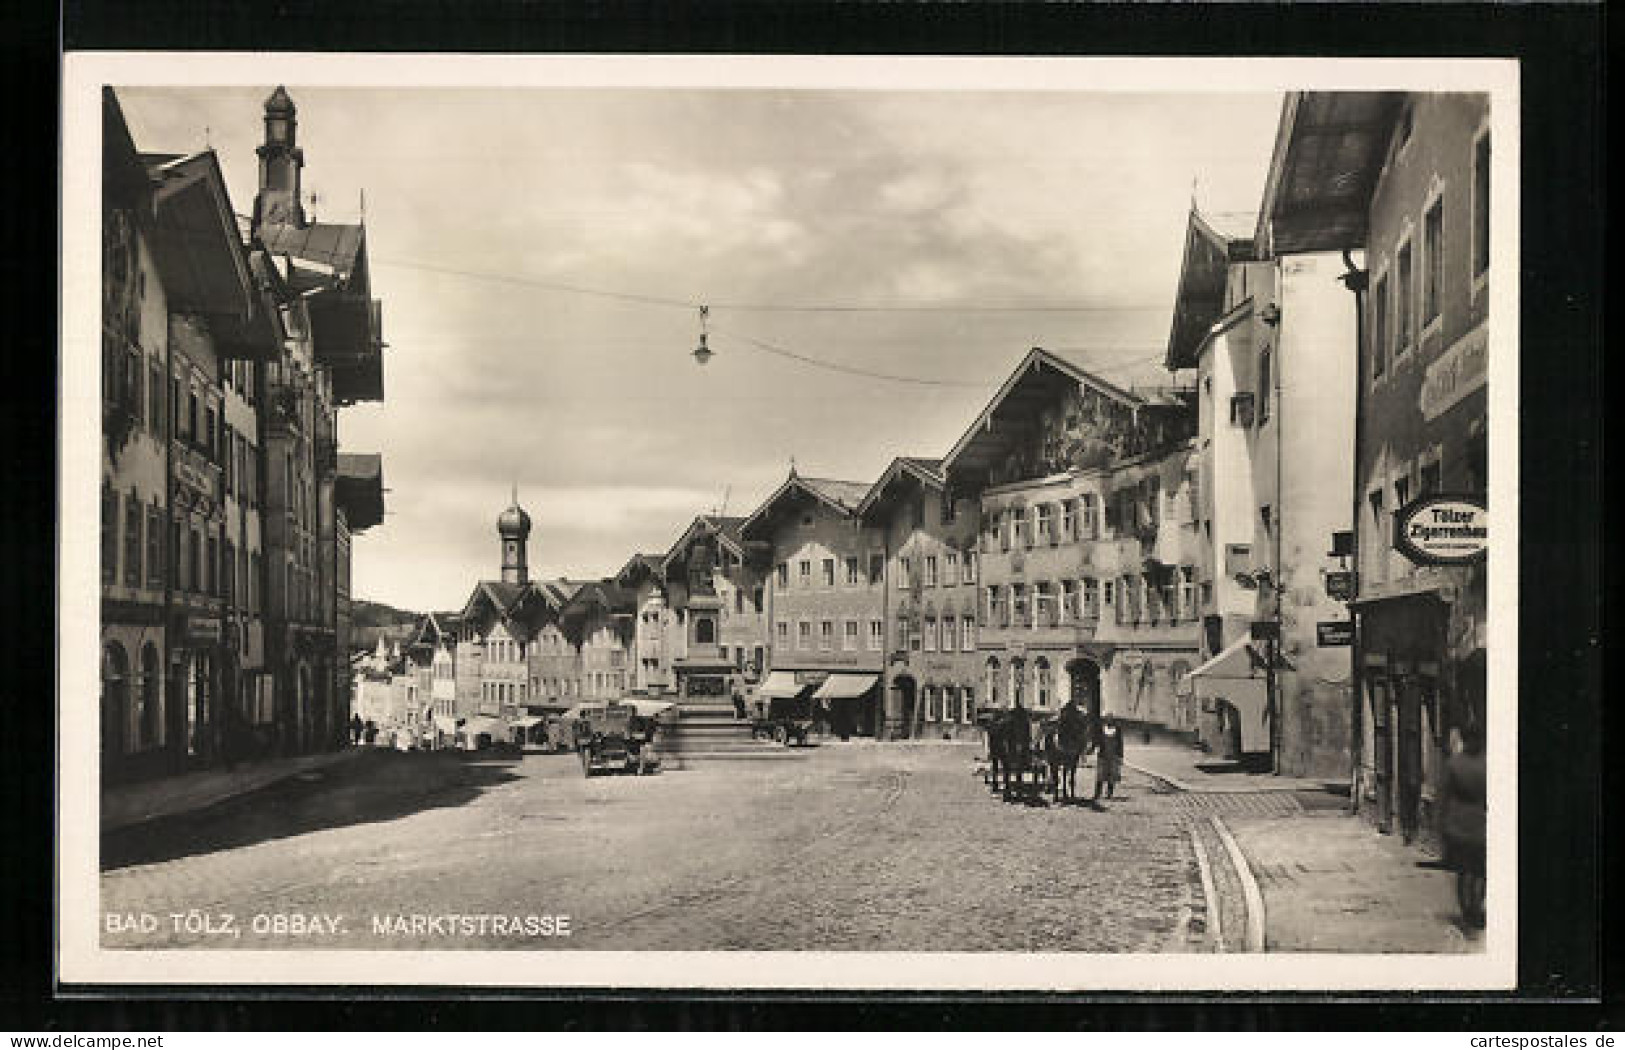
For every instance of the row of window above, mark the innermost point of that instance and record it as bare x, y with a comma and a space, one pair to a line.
1406, 299
948, 704
1167, 596
933, 634
850, 634
133, 554
1135, 508
953, 570
852, 572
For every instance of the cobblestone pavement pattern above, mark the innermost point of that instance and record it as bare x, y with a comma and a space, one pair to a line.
856, 847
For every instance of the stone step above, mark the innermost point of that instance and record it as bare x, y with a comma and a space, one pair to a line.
688, 758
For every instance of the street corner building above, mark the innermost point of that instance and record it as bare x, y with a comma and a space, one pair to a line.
227, 509
1403, 179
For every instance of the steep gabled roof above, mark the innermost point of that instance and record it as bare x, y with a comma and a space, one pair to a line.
638, 564
842, 496
1203, 275
726, 529
340, 247
1034, 382
927, 472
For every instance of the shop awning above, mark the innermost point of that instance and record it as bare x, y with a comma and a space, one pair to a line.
841, 686
1236, 661
445, 723
524, 723
780, 684
647, 708
492, 726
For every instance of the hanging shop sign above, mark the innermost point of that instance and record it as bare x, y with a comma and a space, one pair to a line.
1442, 530
1340, 586
1334, 632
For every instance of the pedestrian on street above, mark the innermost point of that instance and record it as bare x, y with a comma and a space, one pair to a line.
1462, 822
355, 730
1108, 757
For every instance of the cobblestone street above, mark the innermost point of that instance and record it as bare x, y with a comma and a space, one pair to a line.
853, 847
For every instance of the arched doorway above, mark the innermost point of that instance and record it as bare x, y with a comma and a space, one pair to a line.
907, 692
114, 702
1083, 680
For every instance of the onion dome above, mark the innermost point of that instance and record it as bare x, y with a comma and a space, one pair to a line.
513, 523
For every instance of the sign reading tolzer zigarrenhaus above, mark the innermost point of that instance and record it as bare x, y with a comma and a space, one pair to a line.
1442, 530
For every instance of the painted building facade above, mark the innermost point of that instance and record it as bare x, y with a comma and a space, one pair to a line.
1089, 549
715, 590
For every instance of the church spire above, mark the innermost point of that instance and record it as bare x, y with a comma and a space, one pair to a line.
513, 526
281, 162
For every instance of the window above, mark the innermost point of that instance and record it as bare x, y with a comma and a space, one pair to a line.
804, 570
155, 548
826, 634
968, 695
784, 632
1069, 601
228, 573
132, 542
877, 635
1207, 593
109, 536
967, 633
950, 567
969, 573
1402, 491
949, 509
1267, 516
905, 572
1187, 593
155, 399
1264, 380
1069, 519
1432, 260
1045, 681
850, 640
949, 642
1018, 604
739, 600
930, 634
784, 574
1043, 605
1022, 537
1404, 294
1046, 527
756, 597
1429, 479
1481, 205
828, 568
804, 634
1091, 598
852, 577
930, 570
877, 568
1379, 326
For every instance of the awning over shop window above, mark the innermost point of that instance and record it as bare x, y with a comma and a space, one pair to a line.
495, 727
524, 723
780, 684
840, 686
445, 724
1237, 661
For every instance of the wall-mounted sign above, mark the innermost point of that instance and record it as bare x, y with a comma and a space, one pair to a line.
1334, 632
1455, 373
1442, 530
1264, 631
811, 677
1340, 586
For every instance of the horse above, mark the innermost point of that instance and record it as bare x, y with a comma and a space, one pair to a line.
1016, 734
1066, 738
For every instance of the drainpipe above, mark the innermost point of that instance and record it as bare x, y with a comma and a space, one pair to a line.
1357, 281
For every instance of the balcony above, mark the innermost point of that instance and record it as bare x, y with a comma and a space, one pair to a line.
359, 489
348, 337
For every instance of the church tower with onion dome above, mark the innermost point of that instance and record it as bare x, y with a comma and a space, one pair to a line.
513, 525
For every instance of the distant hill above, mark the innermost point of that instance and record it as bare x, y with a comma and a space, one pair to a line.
370, 620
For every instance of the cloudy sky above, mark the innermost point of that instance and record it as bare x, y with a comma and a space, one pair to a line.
933, 236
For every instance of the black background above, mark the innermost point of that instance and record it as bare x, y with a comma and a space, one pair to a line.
1566, 575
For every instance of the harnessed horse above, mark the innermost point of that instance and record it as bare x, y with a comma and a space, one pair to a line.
1066, 738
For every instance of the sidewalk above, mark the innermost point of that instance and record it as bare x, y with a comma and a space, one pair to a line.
1332, 883
1188, 769
1329, 881
133, 803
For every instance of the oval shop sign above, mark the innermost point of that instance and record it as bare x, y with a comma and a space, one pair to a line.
1442, 530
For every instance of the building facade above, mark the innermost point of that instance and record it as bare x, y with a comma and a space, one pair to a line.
1089, 548
933, 675
825, 600
715, 618
1268, 340
1408, 183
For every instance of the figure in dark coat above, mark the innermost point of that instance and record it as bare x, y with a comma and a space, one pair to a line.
1108, 756
1462, 823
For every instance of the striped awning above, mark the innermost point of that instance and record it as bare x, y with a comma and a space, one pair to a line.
780, 684
841, 686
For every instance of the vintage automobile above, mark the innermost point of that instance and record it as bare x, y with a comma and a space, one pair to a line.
618, 736
784, 719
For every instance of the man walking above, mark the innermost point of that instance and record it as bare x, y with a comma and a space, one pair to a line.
1108, 757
